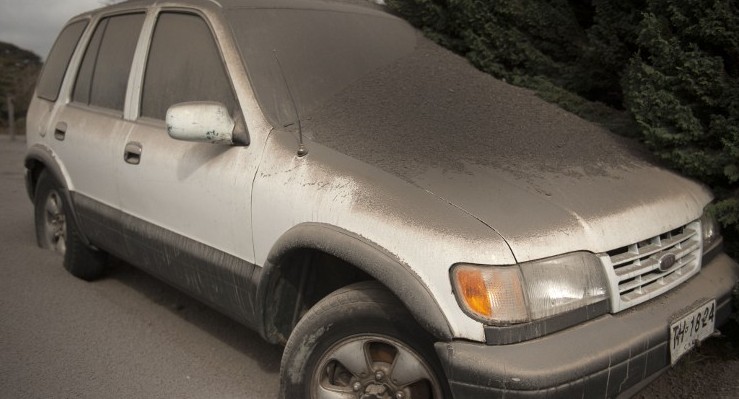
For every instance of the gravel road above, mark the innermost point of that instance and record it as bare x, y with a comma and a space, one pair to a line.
131, 336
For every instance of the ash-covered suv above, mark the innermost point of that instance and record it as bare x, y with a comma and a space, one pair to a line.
406, 225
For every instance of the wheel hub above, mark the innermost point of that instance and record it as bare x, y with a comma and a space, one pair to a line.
378, 386
375, 391
55, 223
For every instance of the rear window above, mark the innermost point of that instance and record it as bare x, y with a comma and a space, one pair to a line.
56, 64
103, 74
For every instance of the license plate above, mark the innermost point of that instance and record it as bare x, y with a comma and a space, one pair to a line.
691, 329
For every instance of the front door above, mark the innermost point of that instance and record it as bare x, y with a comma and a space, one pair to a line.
187, 205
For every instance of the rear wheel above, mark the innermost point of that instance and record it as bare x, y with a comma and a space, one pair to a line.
55, 230
360, 343
51, 220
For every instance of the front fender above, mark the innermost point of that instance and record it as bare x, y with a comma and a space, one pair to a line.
365, 255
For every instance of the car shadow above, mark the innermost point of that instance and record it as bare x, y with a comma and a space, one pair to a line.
226, 330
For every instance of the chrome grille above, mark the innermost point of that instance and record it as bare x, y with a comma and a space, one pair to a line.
634, 270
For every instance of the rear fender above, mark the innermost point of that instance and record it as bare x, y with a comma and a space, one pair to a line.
40, 157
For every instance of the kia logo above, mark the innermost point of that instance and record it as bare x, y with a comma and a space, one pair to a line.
666, 262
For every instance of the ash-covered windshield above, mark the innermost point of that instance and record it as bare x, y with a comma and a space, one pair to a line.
321, 52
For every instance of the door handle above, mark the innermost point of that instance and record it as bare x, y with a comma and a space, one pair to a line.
60, 130
132, 153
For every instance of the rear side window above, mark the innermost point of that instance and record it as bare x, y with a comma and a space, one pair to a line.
103, 74
184, 64
56, 64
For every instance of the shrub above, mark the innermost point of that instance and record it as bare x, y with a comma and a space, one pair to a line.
682, 88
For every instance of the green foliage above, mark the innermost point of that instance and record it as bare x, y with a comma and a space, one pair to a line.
682, 88
672, 65
727, 214
611, 42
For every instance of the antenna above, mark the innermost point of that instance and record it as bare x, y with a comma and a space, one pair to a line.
302, 151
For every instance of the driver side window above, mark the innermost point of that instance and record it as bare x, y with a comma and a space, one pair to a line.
184, 64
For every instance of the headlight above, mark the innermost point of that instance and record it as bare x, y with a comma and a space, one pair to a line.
711, 231
529, 291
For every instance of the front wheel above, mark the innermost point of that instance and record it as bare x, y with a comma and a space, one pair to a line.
360, 343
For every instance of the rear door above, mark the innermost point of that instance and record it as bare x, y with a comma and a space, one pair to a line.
188, 205
90, 129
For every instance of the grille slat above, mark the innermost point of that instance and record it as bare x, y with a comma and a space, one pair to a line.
630, 256
650, 263
634, 269
644, 279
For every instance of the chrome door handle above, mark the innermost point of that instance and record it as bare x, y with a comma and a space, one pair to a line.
132, 153
60, 131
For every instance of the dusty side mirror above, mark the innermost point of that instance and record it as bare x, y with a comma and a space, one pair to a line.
202, 121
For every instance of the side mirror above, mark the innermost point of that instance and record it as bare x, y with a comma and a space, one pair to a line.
201, 121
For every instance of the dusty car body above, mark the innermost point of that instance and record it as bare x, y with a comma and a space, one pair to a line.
407, 225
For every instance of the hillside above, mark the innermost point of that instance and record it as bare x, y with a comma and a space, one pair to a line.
19, 70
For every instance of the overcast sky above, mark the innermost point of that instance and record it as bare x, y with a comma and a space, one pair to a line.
34, 24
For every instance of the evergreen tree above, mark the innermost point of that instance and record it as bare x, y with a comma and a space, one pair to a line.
682, 88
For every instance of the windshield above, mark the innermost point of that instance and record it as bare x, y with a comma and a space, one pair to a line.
321, 52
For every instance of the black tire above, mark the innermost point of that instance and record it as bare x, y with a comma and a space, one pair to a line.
56, 231
361, 321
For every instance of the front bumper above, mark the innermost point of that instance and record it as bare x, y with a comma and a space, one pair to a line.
600, 358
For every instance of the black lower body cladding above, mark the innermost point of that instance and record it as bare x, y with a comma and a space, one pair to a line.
216, 278
601, 358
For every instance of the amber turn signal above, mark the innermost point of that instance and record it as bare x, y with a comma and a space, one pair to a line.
474, 292
492, 294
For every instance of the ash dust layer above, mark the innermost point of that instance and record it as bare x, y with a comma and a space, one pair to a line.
432, 110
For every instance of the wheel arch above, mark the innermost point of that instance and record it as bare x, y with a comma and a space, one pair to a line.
353, 251
40, 158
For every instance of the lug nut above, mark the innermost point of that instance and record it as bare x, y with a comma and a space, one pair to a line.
399, 395
379, 375
357, 386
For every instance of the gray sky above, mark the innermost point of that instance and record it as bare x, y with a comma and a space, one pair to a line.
34, 24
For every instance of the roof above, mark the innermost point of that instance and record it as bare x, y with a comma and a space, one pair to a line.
320, 4
298, 3
336, 5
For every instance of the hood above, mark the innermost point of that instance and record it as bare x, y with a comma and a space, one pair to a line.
546, 180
